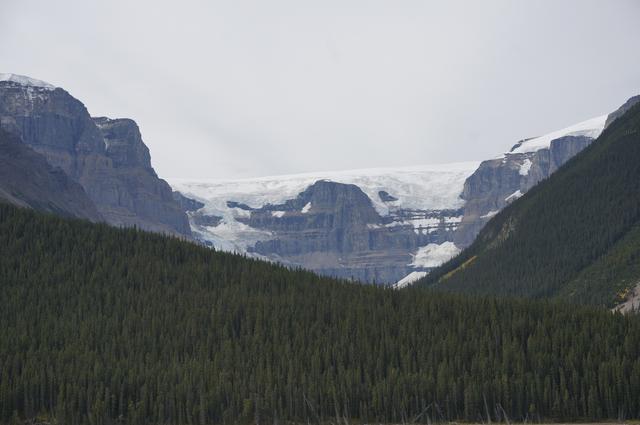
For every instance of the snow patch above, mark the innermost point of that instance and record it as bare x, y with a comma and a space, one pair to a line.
525, 167
26, 81
490, 214
231, 235
589, 128
515, 195
409, 279
306, 208
430, 222
434, 255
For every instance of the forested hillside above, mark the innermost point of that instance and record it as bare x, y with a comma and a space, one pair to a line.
103, 326
574, 236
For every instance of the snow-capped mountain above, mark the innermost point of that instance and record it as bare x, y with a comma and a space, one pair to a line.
401, 222
107, 158
400, 211
385, 225
500, 181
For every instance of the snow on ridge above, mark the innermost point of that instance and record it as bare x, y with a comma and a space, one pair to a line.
433, 255
490, 214
515, 195
26, 81
429, 256
409, 279
589, 128
422, 187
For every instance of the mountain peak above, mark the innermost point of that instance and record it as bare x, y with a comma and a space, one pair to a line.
25, 81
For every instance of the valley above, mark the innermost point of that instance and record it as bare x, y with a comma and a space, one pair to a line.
171, 252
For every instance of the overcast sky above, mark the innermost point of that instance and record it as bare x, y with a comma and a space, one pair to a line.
226, 89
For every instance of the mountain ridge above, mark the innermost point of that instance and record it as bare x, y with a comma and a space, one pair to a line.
106, 157
446, 208
572, 236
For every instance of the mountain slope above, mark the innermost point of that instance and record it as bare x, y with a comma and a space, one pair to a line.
106, 157
573, 236
499, 181
27, 180
103, 325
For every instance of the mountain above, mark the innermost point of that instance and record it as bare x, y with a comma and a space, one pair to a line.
499, 181
407, 221
103, 325
374, 225
574, 236
27, 180
106, 157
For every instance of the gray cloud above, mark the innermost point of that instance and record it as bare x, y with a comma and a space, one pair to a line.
245, 88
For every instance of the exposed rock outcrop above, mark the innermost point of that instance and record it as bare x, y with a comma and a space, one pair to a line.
187, 204
334, 229
375, 225
136, 187
27, 180
621, 110
106, 157
498, 182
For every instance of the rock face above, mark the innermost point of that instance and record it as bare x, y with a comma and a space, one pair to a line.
137, 188
621, 110
187, 204
27, 180
371, 225
106, 157
334, 229
498, 182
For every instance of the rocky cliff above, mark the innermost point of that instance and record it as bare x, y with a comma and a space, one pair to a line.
137, 196
28, 180
374, 225
333, 228
498, 182
622, 109
106, 157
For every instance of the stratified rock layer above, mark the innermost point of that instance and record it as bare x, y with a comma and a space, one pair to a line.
106, 157
498, 182
28, 180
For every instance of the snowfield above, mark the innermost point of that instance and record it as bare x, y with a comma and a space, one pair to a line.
25, 81
420, 187
589, 128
